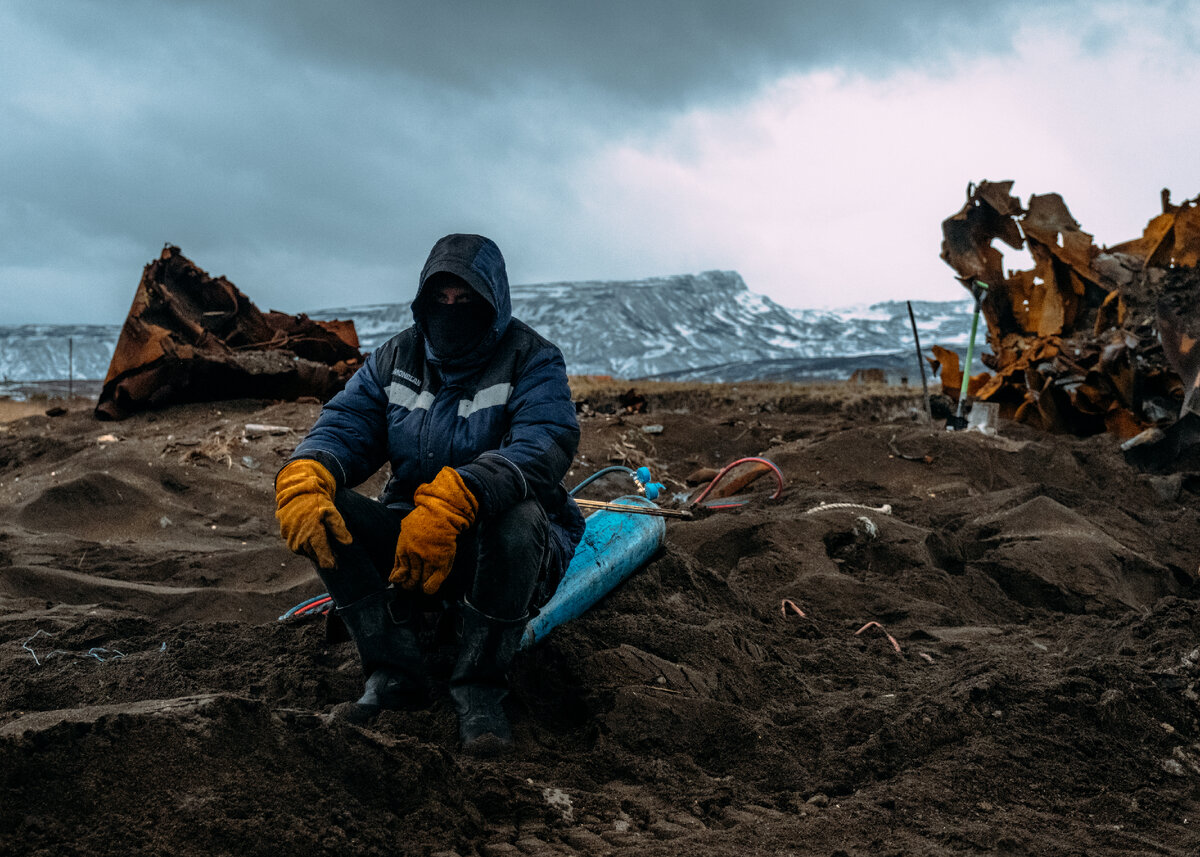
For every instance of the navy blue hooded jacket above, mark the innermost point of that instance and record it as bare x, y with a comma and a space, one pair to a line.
500, 414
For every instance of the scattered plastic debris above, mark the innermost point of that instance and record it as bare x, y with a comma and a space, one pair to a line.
874, 624
868, 527
984, 418
787, 602
261, 429
36, 634
100, 653
113, 654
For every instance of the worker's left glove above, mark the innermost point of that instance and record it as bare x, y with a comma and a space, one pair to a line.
308, 519
429, 533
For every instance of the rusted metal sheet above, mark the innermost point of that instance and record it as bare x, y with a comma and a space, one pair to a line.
191, 337
945, 363
1075, 340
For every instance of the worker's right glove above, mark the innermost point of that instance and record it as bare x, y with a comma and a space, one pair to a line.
429, 533
304, 507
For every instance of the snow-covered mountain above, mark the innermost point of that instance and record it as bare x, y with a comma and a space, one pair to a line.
39, 352
706, 326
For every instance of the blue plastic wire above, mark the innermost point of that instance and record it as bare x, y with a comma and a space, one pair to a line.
39, 632
95, 651
113, 655
305, 603
612, 469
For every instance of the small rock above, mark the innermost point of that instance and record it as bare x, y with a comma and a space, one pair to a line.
619, 839
1169, 487
654, 429
1172, 767
559, 801
739, 816
663, 829
764, 811
819, 800
584, 840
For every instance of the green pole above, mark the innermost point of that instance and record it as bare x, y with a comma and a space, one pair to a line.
979, 290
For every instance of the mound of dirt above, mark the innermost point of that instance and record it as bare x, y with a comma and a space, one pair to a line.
934, 643
92, 506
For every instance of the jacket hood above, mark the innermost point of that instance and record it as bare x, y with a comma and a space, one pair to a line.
478, 261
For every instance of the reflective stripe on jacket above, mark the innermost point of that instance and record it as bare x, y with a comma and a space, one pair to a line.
508, 428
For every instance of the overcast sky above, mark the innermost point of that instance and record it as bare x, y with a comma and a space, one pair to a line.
312, 151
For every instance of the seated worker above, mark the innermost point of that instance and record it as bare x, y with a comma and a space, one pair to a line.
472, 410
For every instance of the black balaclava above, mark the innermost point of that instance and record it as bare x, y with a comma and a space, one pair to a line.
454, 329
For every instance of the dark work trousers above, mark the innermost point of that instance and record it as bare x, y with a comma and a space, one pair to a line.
499, 565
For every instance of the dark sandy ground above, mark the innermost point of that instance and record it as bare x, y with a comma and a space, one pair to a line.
1043, 701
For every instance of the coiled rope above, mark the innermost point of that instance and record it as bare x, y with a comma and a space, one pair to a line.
885, 509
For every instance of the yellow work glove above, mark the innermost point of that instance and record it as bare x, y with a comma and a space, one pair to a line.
429, 534
304, 507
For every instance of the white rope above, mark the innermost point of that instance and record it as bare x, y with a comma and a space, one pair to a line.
885, 509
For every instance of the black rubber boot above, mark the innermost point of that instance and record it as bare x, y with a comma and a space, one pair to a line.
479, 683
385, 632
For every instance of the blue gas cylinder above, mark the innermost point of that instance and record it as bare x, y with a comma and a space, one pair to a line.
614, 546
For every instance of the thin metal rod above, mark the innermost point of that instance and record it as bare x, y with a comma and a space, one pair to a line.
979, 290
920, 365
636, 510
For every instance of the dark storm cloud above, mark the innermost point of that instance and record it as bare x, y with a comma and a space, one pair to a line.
305, 148
656, 52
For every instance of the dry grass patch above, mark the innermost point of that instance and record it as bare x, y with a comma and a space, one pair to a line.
603, 393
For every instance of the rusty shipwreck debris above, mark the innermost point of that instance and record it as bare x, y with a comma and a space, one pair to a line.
191, 337
1075, 340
